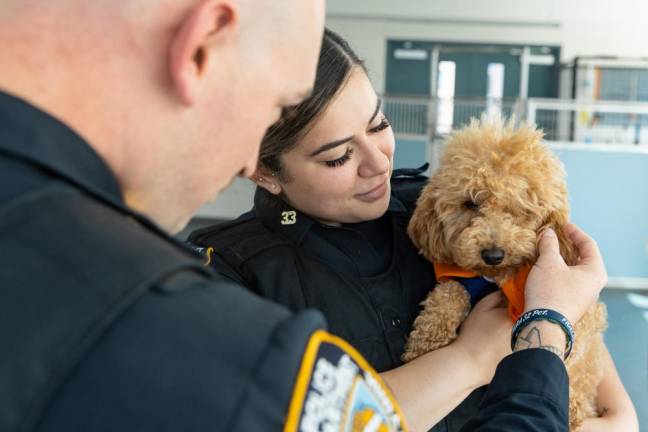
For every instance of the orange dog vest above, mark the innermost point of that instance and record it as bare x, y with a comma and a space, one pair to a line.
513, 288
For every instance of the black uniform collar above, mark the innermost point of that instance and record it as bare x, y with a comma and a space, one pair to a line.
36, 137
280, 217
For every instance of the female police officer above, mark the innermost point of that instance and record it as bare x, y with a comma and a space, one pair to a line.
326, 233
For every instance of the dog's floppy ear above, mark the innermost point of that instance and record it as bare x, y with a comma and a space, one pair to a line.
426, 229
557, 221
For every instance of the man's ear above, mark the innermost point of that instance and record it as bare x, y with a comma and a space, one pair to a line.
207, 24
267, 179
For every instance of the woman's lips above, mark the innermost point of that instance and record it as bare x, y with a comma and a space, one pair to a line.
374, 194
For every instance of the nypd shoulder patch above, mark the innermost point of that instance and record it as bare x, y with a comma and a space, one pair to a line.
337, 390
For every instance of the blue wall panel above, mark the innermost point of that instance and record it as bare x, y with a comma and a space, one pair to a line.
409, 154
609, 199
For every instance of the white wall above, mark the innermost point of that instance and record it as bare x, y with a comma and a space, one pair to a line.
580, 27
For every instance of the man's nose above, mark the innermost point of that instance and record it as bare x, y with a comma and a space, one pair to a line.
250, 168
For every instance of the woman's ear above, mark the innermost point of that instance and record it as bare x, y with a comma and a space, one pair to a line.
426, 229
557, 220
267, 179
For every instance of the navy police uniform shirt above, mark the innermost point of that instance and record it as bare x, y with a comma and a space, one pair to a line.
108, 324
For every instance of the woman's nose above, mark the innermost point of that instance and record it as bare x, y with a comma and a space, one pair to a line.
375, 162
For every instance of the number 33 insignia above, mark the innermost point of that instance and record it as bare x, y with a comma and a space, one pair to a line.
289, 218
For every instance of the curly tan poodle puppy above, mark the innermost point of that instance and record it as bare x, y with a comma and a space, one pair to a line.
497, 188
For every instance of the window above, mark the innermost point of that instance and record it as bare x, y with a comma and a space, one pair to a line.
445, 95
495, 88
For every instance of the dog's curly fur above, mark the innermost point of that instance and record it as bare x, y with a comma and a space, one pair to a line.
498, 186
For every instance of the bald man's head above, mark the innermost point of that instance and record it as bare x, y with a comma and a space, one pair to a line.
174, 94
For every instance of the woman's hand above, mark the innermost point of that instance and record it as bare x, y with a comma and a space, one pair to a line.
485, 336
602, 424
432, 385
614, 404
612, 422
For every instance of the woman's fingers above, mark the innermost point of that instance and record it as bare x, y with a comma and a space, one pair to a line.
491, 301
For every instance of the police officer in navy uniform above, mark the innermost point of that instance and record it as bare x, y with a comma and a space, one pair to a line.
301, 264
116, 122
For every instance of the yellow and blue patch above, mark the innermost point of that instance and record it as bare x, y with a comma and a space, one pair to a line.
203, 252
337, 390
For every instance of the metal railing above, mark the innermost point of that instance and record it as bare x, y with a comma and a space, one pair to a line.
609, 123
606, 123
430, 118
409, 116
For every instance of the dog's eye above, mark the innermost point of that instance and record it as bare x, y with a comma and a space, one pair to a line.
471, 205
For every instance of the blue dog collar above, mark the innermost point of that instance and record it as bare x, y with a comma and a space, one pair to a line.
477, 287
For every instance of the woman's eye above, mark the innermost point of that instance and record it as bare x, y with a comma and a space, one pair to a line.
384, 124
471, 205
340, 161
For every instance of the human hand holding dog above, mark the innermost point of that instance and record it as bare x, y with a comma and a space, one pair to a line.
485, 336
570, 290
552, 284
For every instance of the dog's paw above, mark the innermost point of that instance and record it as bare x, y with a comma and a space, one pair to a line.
444, 309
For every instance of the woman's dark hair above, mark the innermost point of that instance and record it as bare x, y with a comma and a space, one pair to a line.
336, 62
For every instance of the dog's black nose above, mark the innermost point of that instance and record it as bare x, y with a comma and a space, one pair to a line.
493, 256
